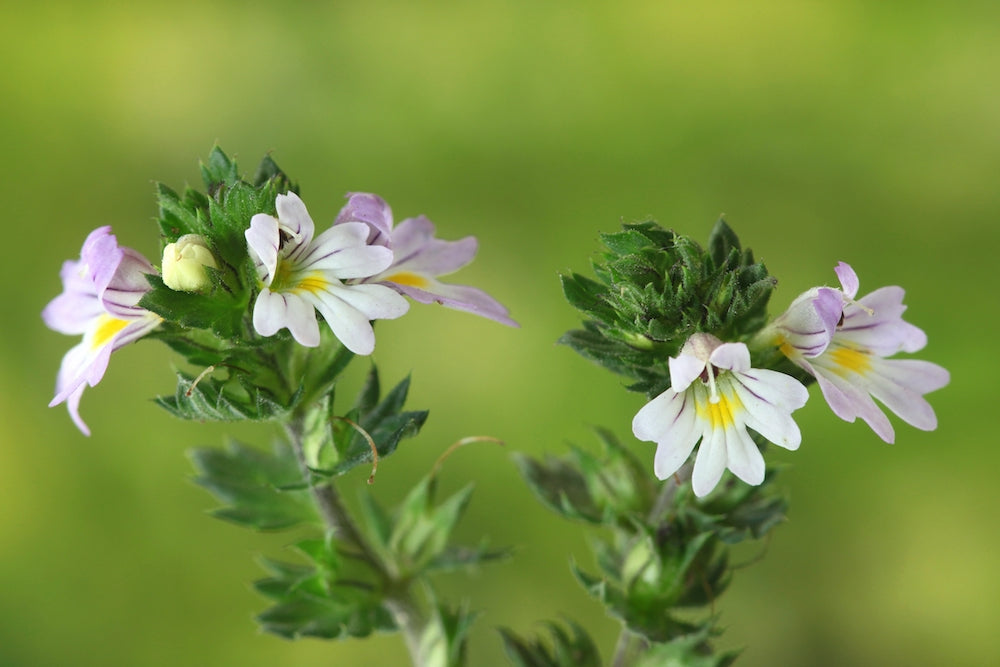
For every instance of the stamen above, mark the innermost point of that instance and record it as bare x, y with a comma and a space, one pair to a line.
713, 392
371, 443
289, 233
852, 302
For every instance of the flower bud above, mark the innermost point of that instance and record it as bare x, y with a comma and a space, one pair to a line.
184, 264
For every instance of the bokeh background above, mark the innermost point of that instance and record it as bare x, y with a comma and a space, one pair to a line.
865, 132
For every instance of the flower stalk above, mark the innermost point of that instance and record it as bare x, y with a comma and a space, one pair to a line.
337, 518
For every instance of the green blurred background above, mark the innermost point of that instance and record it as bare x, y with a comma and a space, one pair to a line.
864, 132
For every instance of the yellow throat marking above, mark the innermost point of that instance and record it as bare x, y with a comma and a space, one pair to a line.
721, 414
847, 359
408, 279
107, 328
312, 283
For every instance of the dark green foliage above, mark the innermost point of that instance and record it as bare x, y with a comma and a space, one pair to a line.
563, 650
332, 596
655, 288
660, 553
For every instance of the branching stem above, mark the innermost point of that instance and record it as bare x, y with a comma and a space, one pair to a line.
398, 596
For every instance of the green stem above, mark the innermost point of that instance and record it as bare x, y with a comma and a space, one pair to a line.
630, 643
398, 597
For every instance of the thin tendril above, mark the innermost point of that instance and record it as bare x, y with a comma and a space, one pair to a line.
461, 443
371, 443
198, 379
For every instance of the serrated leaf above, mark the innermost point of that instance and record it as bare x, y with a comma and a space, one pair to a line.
560, 487
218, 171
219, 310
259, 489
327, 618
176, 217
214, 399
386, 436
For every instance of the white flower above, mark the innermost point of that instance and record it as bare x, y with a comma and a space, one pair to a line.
300, 274
715, 397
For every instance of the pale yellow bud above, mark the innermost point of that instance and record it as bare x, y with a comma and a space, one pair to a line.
184, 264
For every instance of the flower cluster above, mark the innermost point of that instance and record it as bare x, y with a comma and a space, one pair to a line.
841, 341
356, 271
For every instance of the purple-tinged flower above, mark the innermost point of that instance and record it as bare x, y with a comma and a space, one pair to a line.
715, 397
100, 300
843, 343
300, 274
419, 259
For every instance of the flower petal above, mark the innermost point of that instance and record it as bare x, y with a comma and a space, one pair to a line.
684, 369
127, 285
274, 311
743, 457
294, 220
900, 385
731, 356
263, 240
849, 282
373, 211
876, 323
419, 252
710, 462
341, 252
376, 302
806, 327
72, 311
850, 399
459, 297
768, 398
349, 325
669, 420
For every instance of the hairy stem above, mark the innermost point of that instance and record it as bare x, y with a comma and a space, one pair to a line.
630, 643
398, 596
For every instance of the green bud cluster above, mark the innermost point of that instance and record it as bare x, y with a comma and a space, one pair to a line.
654, 289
